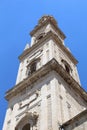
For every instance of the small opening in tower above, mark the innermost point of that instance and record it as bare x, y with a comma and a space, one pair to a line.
40, 37
67, 68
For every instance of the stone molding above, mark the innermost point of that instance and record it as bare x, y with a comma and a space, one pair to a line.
52, 65
75, 118
49, 35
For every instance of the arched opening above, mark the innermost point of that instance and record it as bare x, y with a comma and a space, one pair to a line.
32, 67
27, 122
66, 66
67, 69
26, 127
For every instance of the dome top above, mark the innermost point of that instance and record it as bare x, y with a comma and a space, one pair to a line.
46, 18
44, 21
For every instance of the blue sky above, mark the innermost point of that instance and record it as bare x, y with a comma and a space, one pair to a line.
18, 18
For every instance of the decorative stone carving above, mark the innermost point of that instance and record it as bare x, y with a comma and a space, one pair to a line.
29, 117
32, 115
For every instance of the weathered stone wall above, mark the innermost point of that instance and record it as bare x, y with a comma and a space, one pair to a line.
38, 98
43, 51
46, 51
61, 55
50, 97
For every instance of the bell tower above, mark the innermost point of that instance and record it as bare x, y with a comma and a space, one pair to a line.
47, 92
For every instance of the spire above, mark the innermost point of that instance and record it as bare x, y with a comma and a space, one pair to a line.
26, 47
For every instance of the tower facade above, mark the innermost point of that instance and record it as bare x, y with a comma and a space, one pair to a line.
47, 92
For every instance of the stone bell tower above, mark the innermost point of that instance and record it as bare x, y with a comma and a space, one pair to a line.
47, 91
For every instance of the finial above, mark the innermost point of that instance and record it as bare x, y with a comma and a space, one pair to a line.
46, 18
26, 47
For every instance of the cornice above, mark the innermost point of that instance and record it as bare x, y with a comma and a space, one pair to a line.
75, 118
49, 35
52, 65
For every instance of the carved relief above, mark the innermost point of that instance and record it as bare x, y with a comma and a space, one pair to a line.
29, 100
28, 121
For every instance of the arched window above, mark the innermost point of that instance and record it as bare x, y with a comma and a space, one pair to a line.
66, 66
27, 122
26, 127
32, 67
